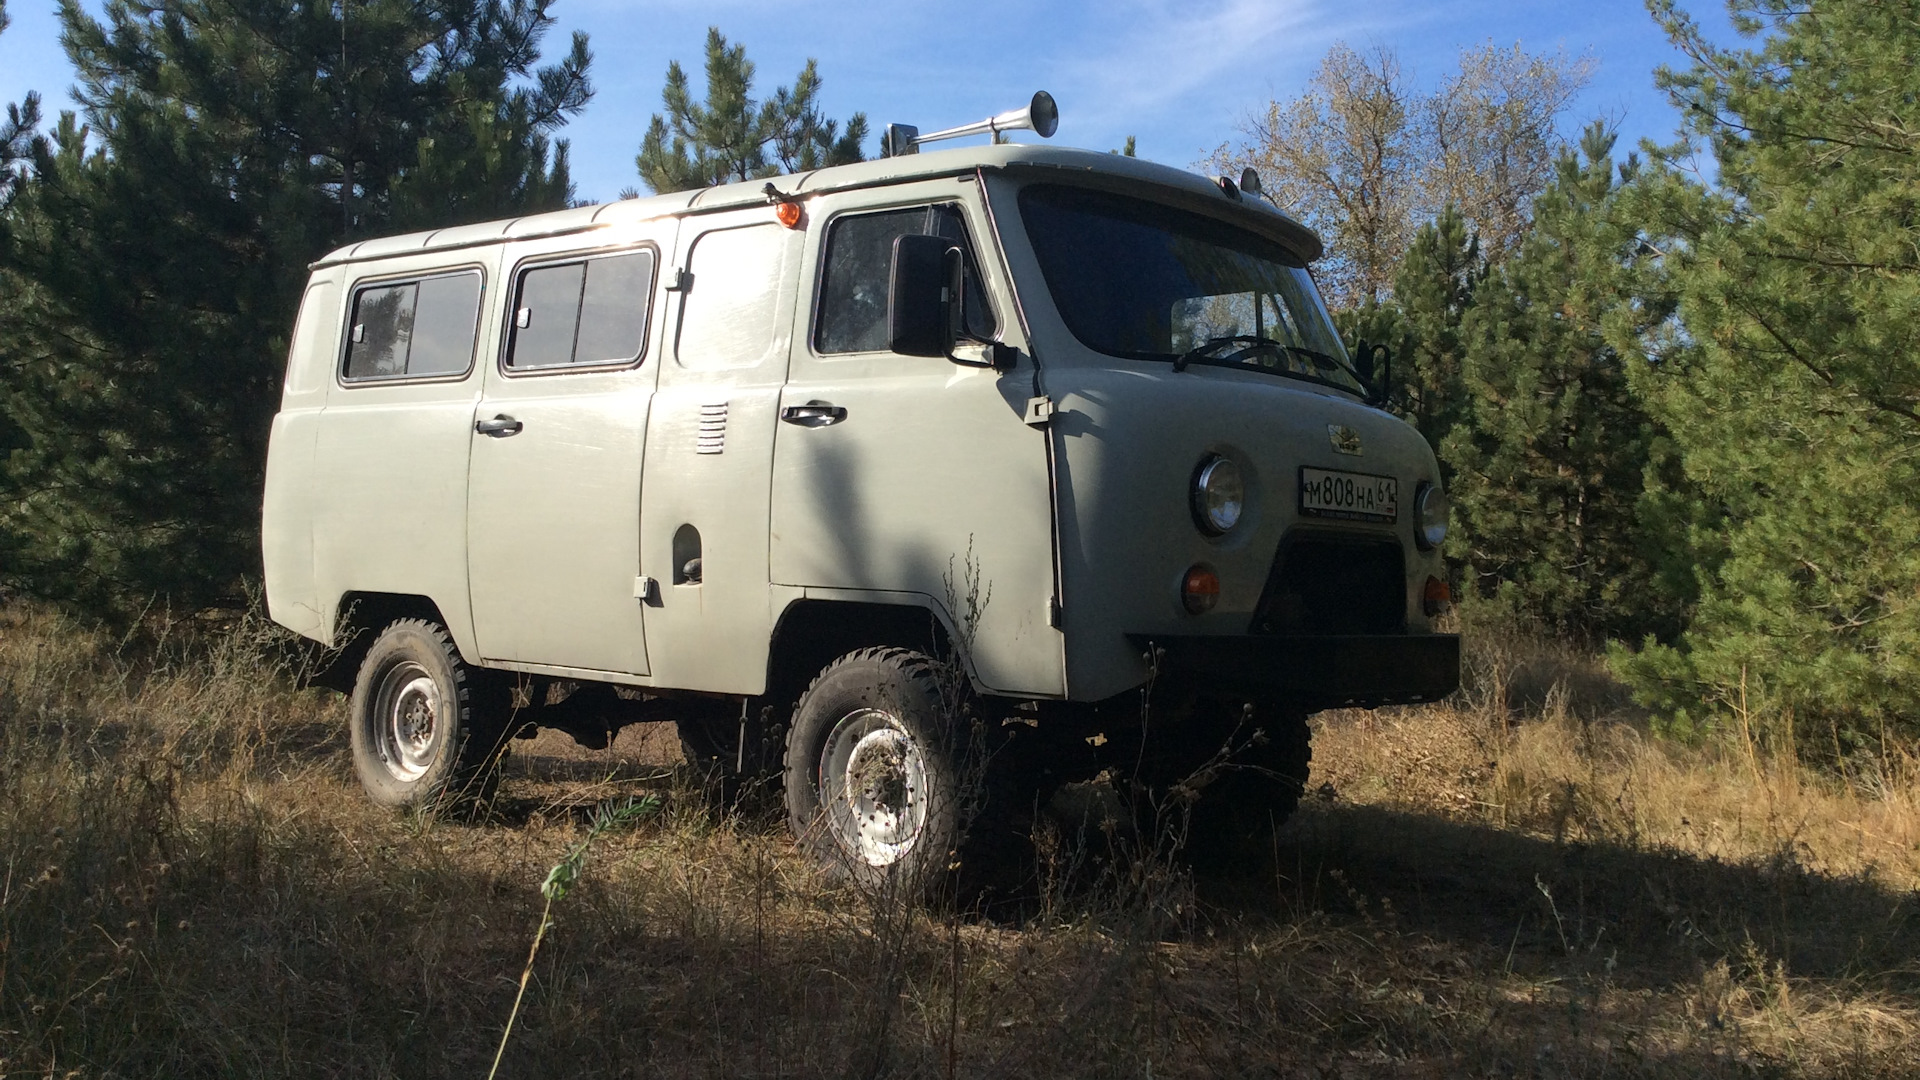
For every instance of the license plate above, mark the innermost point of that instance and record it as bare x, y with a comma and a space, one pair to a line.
1352, 496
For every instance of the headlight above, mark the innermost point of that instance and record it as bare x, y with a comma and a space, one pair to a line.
1218, 495
1429, 517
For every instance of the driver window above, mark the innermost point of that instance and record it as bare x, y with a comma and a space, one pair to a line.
859, 258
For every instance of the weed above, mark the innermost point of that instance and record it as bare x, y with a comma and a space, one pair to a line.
560, 879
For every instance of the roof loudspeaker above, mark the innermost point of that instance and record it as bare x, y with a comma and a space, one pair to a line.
1041, 116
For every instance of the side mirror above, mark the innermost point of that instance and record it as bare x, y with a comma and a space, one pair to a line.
923, 296
1375, 366
1363, 362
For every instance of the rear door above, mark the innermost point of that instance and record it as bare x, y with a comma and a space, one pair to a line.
390, 453
554, 488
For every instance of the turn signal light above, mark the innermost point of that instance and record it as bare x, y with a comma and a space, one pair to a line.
1438, 598
1200, 590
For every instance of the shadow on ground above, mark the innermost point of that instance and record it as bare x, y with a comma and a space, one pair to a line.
1648, 918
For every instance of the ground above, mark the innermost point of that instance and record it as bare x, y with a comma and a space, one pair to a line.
1519, 882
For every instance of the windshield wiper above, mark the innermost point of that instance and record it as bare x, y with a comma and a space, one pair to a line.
1327, 360
1321, 361
1201, 350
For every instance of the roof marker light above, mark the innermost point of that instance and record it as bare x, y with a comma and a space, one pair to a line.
786, 208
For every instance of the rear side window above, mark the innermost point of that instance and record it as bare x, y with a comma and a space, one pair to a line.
311, 352
414, 329
730, 317
584, 313
859, 262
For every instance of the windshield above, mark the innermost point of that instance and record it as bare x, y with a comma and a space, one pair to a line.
1141, 280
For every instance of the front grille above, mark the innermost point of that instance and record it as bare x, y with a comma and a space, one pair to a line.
1334, 585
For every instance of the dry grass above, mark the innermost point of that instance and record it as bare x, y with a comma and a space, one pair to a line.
1525, 884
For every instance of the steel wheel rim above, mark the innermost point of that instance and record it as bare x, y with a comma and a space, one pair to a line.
873, 787
407, 721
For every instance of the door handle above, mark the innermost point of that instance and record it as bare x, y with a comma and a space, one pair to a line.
499, 427
813, 414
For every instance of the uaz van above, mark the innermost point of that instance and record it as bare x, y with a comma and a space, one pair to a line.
927, 484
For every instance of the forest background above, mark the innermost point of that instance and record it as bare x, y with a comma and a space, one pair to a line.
1674, 388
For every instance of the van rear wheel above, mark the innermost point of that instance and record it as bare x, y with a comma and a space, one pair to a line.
423, 729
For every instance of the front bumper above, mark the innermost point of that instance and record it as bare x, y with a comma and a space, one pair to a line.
1361, 670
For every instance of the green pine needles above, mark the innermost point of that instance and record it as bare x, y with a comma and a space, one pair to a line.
154, 252
1685, 416
733, 137
1791, 385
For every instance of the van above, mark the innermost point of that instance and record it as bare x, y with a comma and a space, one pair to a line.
923, 486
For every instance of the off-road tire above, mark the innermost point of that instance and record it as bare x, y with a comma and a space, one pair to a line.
879, 713
1253, 792
1231, 778
425, 727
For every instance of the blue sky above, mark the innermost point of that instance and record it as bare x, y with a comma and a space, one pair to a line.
1181, 75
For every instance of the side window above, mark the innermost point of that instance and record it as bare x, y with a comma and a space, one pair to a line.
446, 313
414, 329
310, 353
586, 313
859, 260
729, 316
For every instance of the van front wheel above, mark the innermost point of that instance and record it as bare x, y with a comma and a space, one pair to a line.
882, 785
422, 729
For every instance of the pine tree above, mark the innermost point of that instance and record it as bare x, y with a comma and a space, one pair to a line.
156, 254
16, 139
1794, 390
16, 142
1434, 289
733, 137
1552, 455
1420, 327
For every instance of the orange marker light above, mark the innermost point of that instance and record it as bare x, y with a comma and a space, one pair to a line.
788, 214
1439, 596
1200, 590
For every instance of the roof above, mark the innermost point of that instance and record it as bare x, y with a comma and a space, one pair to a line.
880, 171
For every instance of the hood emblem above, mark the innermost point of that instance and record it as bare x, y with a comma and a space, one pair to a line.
1345, 439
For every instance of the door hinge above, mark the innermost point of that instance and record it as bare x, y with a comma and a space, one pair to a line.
682, 280
646, 590
1039, 411
1054, 613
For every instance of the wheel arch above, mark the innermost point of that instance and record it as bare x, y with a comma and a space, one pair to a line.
812, 633
358, 618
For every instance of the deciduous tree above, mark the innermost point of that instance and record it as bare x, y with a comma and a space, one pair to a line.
1365, 159
1491, 138
1343, 158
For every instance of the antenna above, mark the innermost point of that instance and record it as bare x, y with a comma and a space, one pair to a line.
1041, 116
